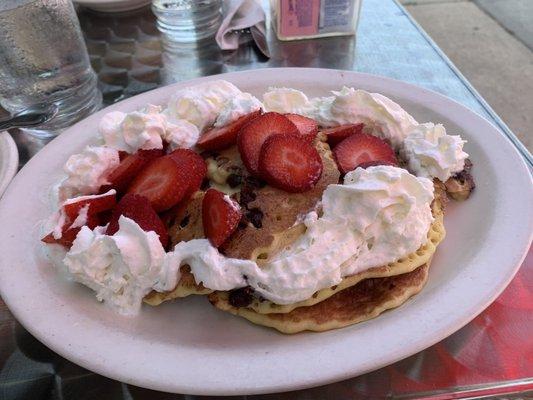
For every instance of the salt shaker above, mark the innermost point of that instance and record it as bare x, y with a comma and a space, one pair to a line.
187, 21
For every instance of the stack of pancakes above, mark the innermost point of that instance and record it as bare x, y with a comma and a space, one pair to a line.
272, 222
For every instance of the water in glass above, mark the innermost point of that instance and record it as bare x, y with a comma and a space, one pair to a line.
43, 58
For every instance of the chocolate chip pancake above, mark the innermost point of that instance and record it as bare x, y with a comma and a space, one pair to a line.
405, 265
361, 302
268, 212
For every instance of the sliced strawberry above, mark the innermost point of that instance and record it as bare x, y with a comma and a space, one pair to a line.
151, 154
162, 182
96, 204
105, 217
362, 148
124, 173
68, 234
290, 163
195, 166
253, 135
122, 154
375, 164
308, 127
223, 137
339, 133
139, 209
219, 217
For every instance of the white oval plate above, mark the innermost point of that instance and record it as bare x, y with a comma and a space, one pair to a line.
9, 160
113, 5
187, 346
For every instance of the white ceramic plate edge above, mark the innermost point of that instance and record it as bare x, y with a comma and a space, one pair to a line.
113, 5
9, 160
283, 384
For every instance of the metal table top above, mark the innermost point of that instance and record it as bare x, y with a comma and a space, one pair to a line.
491, 356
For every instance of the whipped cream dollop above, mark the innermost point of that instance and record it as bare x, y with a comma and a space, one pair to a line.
180, 133
87, 171
380, 114
122, 268
236, 107
431, 153
376, 217
386, 118
201, 104
138, 130
287, 100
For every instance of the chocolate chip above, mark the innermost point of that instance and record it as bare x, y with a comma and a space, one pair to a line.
468, 165
205, 184
185, 221
247, 196
234, 180
241, 297
208, 154
222, 161
235, 170
255, 216
255, 182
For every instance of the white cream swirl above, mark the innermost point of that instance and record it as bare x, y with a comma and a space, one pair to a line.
122, 268
387, 119
380, 114
431, 153
201, 104
391, 208
181, 134
87, 171
236, 107
287, 100
377, 216
138, 130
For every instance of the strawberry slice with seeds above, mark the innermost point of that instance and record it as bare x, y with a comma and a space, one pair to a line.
139, 209
253, 135
97, 204
162, 182
151, 154
224, 137
120, 178
308, 127
339, 133
122, 154
362, 148
68, 233
129, 167
220, 216
195, 166
290, 163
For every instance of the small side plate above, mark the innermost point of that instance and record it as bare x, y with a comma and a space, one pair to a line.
113, 5
9, 160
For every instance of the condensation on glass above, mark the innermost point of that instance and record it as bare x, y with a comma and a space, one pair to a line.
43, 59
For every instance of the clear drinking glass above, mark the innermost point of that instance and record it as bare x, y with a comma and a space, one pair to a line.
187, 21
43, 59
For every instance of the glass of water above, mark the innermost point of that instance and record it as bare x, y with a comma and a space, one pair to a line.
43, 59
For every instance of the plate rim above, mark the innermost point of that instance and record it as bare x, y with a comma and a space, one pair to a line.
12, 160
113, 6
459, 322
